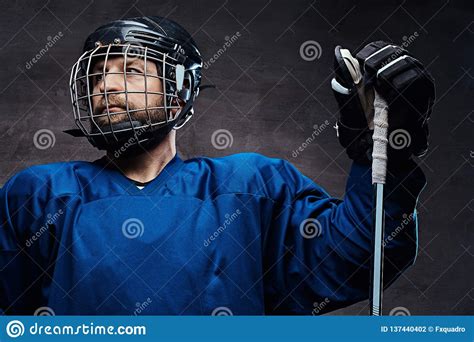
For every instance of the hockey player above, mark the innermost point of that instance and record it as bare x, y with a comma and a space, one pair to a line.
244, 233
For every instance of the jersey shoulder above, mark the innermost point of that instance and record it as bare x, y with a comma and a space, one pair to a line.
37, 191
50, 180
237, 160
251, 173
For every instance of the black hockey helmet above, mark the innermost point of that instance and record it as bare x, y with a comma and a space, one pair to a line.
155, 39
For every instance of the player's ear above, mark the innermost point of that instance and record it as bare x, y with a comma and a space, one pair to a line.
175, 103
179, 102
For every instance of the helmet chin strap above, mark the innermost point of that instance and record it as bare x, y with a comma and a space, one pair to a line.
117, 126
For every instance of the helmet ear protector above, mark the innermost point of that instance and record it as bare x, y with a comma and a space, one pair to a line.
150, 39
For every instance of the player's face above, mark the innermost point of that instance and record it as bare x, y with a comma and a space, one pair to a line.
134, 84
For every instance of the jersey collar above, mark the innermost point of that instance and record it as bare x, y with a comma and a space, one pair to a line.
129, 185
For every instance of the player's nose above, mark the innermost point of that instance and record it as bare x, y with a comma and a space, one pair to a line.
112, 81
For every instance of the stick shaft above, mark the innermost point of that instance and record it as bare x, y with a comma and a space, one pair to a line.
377, 259
379, 172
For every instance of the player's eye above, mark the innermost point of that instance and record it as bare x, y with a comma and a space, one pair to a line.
97, 77
134, 71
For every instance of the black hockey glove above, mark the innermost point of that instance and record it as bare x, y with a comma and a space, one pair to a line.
402, 81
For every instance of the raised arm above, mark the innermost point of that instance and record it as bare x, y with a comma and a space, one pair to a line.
317, 249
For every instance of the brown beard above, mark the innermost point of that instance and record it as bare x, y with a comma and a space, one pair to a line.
143, 116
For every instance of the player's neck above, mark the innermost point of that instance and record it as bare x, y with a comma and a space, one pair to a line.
147, 165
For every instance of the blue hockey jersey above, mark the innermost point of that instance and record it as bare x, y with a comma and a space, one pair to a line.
243, 233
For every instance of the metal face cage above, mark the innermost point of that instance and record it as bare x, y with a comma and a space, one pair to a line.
177, 84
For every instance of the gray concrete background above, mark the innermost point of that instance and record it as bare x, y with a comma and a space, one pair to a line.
269, 98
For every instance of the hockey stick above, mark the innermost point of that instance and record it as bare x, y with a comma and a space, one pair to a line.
379, 171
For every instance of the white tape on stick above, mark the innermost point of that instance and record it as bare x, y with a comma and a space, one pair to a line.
379, 153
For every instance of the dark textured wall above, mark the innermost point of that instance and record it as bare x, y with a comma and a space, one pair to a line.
269, 99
